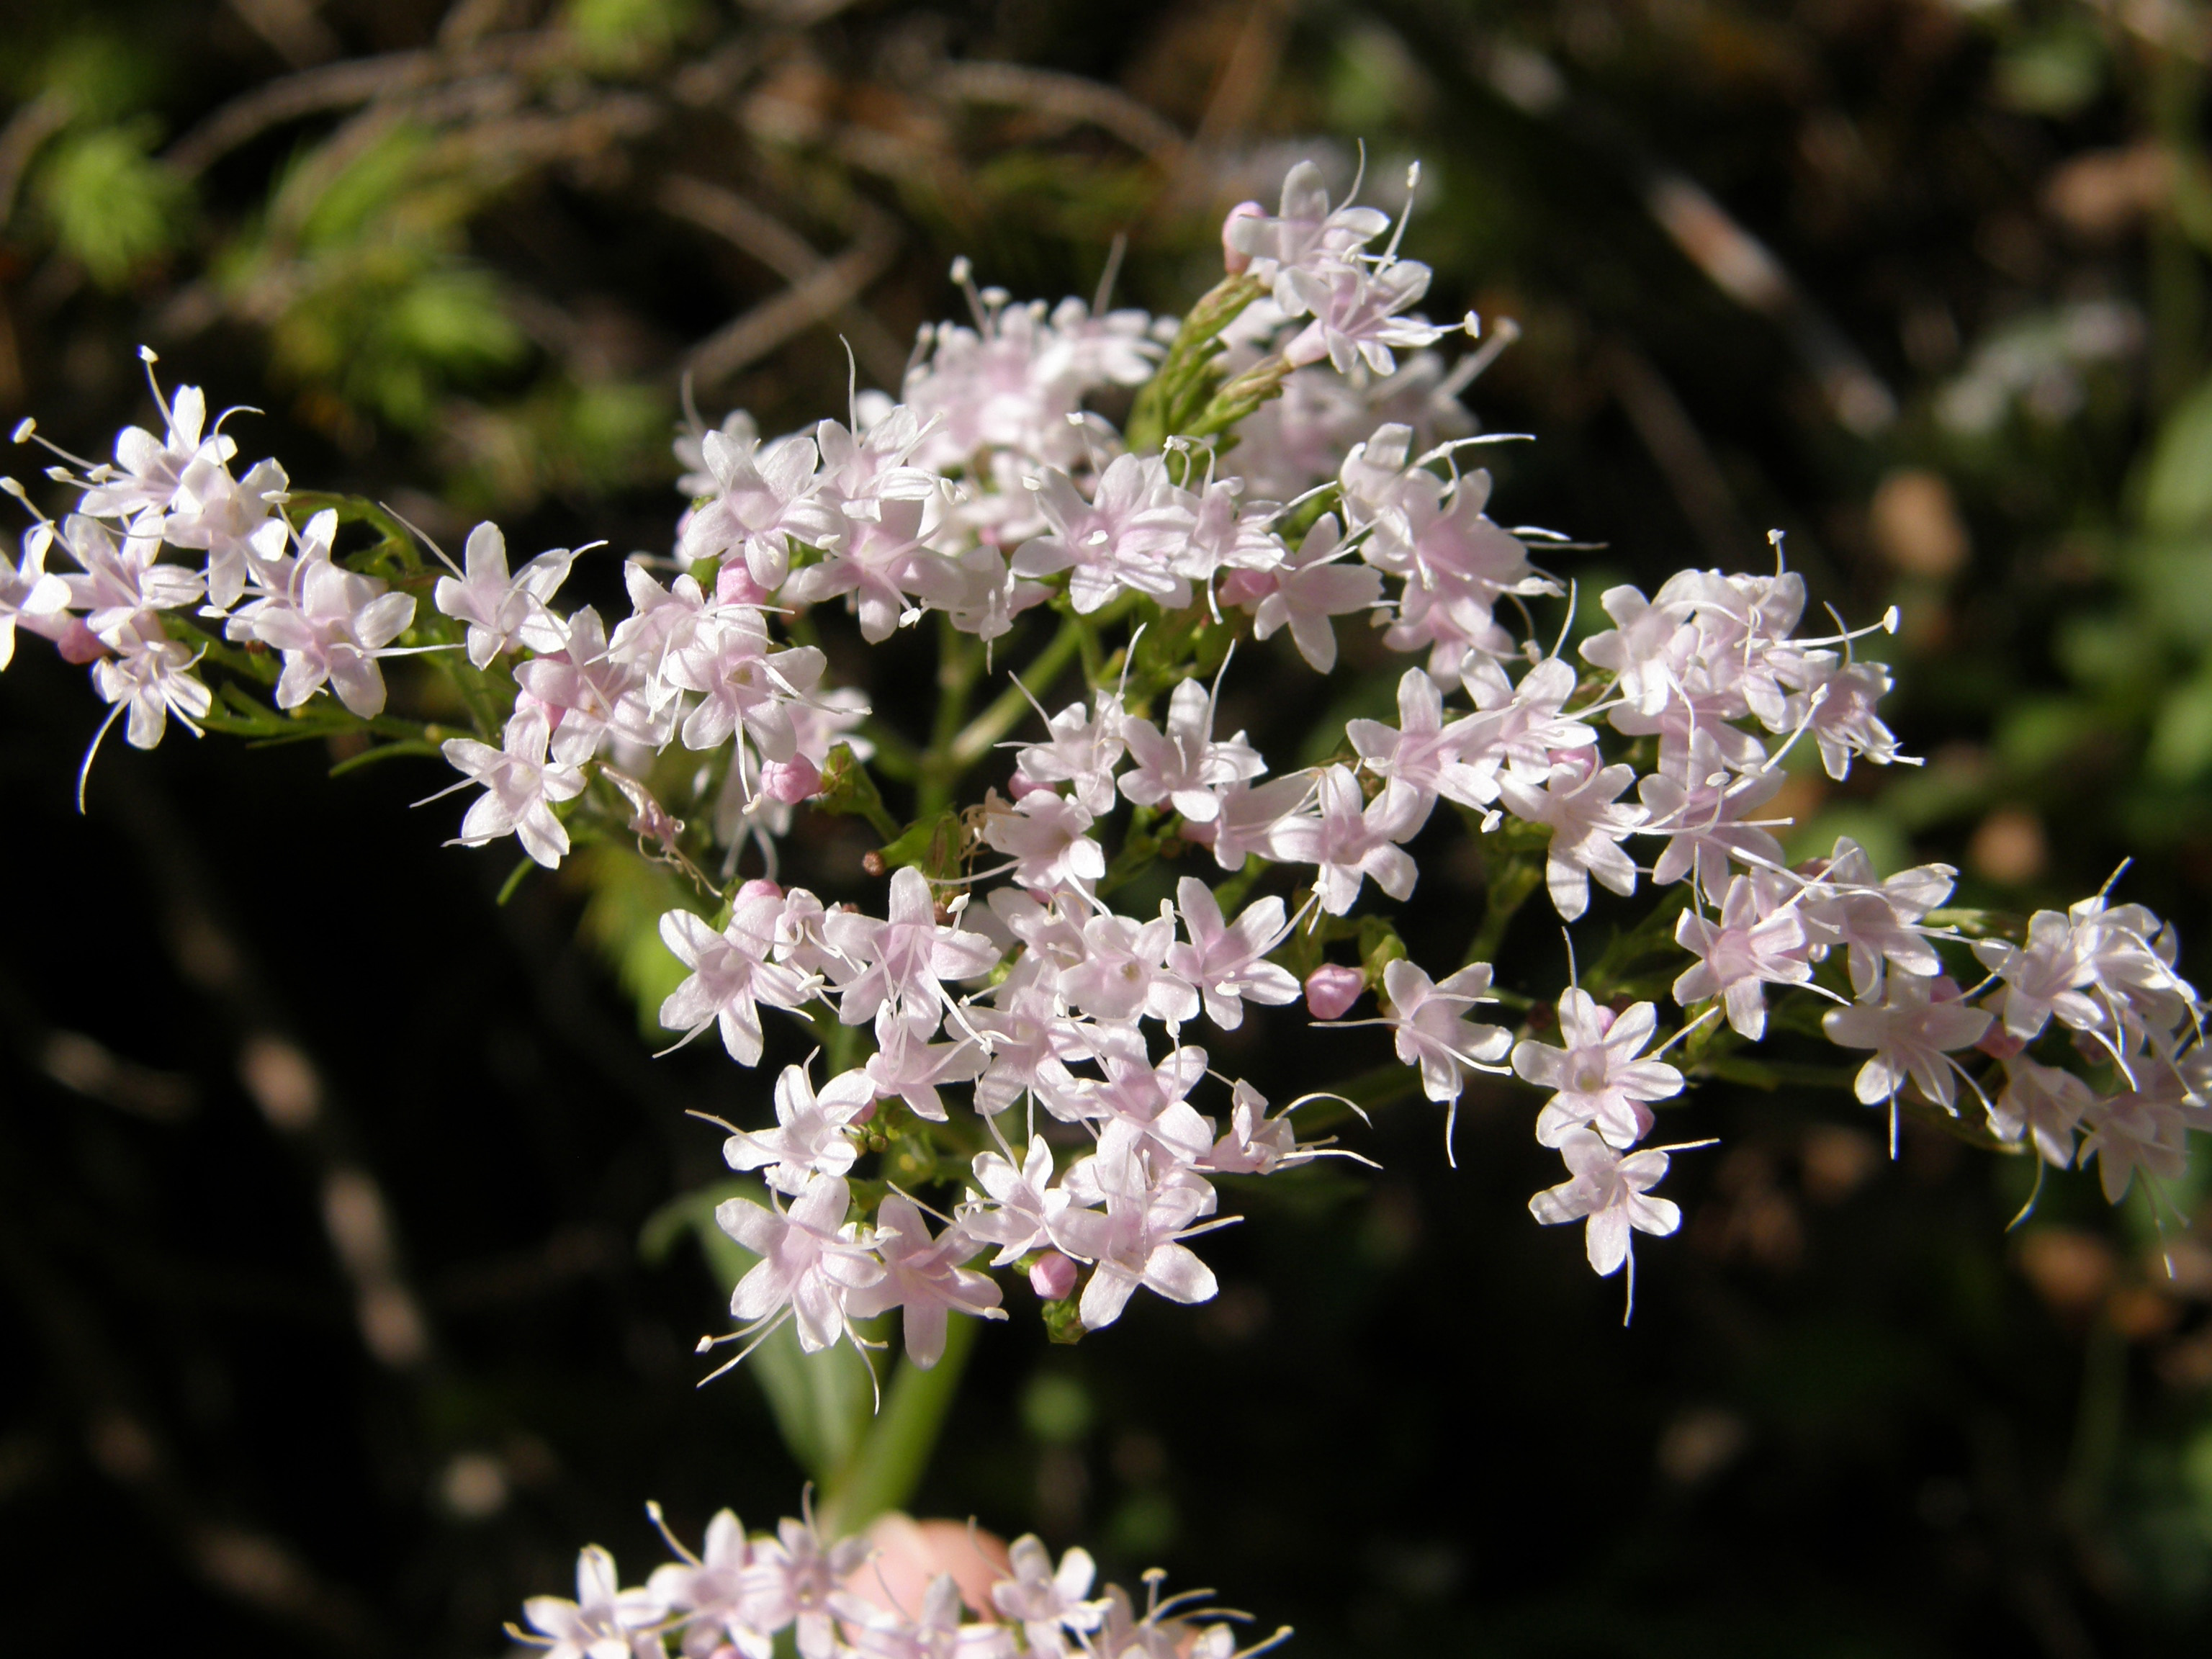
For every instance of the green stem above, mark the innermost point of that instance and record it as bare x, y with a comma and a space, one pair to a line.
959, 664
1512, 880
1006, 710
886, 1470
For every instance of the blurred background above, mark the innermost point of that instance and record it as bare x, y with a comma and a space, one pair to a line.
330, 1321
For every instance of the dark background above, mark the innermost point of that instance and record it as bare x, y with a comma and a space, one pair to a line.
322, 1175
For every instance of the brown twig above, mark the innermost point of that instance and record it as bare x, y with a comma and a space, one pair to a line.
29, 127
1701, 488
355, 82
820, 288
1067, 98
291, 29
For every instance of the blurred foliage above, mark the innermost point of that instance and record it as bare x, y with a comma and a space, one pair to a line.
1922, 282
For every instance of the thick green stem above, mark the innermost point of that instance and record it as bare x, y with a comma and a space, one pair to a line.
1006, 710
885, 1471
1512, 880
959, 664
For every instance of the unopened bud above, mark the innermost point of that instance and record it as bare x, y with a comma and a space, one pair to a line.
2000, 1044
759, 887
736, 586
1236, 259
1333, 987
1053, 1276
791, 782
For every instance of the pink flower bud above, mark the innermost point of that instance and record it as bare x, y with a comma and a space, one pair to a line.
759, 887
79, 644
2000, 1044
908, 1555
1053, 1278
1018, 786
736, 586
791, 782
1331, 988
1234, 259
1247, 587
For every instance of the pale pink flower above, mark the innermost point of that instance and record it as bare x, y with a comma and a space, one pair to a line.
792, 1578
1348, 841
707, 1591
1021, 1207
905, 958
27, 592
924, 1276
1432, 1030
1309, 587
1912, 1032
1049, 1603
1357, 318
521, 786
2043, 1102
1045, 835
1576, 798
1300, 247
1135, 1241
1875, 920
147, 470
331, 625
810, 1139
1184, 766
119, 582
1250, 818
1595, 1076
503, 611
231, 518
1121, 540
1609, 1192
150, 677
604, 1622
811, 1261
1839, 704
934, 1633
1227, 964
2135, 1130
1740, 955
1420, 757
764, 496
1082, 751
586, 693
1141, 1111
907, 1065
2042, 978
1123, 974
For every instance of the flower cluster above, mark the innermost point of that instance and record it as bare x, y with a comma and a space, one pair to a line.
998, 971
903, 1590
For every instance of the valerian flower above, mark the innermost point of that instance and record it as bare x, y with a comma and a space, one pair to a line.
1912, 1032
810, 1260
1596, 1079
809, 1140
1610, 1193
925, 1277
520, 789
1433, 1033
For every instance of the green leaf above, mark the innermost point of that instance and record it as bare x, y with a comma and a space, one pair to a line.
2176, 485
112, 206
622, 917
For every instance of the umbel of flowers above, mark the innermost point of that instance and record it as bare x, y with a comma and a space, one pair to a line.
1293, 462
